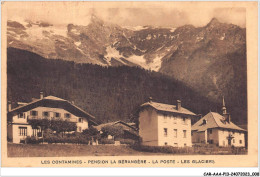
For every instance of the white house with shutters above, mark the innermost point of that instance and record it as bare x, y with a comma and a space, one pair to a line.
165, 125
49, 107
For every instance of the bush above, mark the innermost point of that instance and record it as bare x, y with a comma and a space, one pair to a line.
67, 139
33, 140
127, 141
106, 141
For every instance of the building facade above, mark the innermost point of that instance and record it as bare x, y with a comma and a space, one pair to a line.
50, 107
165, 125
218, 129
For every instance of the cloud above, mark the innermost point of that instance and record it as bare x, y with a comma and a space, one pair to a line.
79, 13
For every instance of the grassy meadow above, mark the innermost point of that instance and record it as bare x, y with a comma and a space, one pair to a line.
69, 150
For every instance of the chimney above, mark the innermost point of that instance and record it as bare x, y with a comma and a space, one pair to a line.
41, 95
178, 105
150, 99
9, 107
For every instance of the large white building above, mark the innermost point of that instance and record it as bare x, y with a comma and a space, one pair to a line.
218, 129
49, 107
165, 125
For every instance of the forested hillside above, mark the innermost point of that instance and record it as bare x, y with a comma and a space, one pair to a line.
108, 93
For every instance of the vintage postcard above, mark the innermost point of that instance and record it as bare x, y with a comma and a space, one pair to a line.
129, 84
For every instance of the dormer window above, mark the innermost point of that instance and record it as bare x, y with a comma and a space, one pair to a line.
204, 121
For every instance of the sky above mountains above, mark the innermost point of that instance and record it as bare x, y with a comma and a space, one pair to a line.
124, 13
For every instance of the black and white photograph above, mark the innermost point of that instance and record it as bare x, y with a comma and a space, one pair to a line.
84, 80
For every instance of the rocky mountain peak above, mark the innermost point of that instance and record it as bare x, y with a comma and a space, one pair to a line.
96, 20
214, 22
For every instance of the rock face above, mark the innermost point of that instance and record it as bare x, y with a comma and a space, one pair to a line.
209, 59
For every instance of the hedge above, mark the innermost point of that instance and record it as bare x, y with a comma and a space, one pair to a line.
163, 149
106, 141
33, 140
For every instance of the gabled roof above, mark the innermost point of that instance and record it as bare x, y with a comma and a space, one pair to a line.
55, 102
99, 127
168, 108
214, 120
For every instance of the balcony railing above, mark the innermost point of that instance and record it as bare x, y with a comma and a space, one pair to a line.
55, 118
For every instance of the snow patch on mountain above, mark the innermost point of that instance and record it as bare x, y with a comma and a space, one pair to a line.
172, 29
136, 28
78, 43
113, 53
138, 60
156, 64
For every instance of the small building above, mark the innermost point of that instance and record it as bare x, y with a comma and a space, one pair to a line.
163, 124
49, 107
218, 129
128, 131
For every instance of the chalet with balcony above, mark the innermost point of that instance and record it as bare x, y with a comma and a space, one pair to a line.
165, 125
218, 129
49, 107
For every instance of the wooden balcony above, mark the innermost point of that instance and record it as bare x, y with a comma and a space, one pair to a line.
53, 118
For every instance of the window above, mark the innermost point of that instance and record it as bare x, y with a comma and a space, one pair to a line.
175, 144
67, 115
45, 114
36, 132
165, 131
184, 133
34, 113
23, 131
56, 114
165, 118
210, 131
183, 120
233, 140
185, 144
210, 141
80, 120
21, 115
80, 129
175, 133
240, 141
175, 120
165, 143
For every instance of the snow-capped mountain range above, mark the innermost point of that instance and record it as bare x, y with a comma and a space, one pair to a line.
210, 59
97, 43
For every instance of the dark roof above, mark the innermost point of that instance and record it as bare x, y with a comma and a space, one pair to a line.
54, 102
214, 120
99, 127
168, 108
